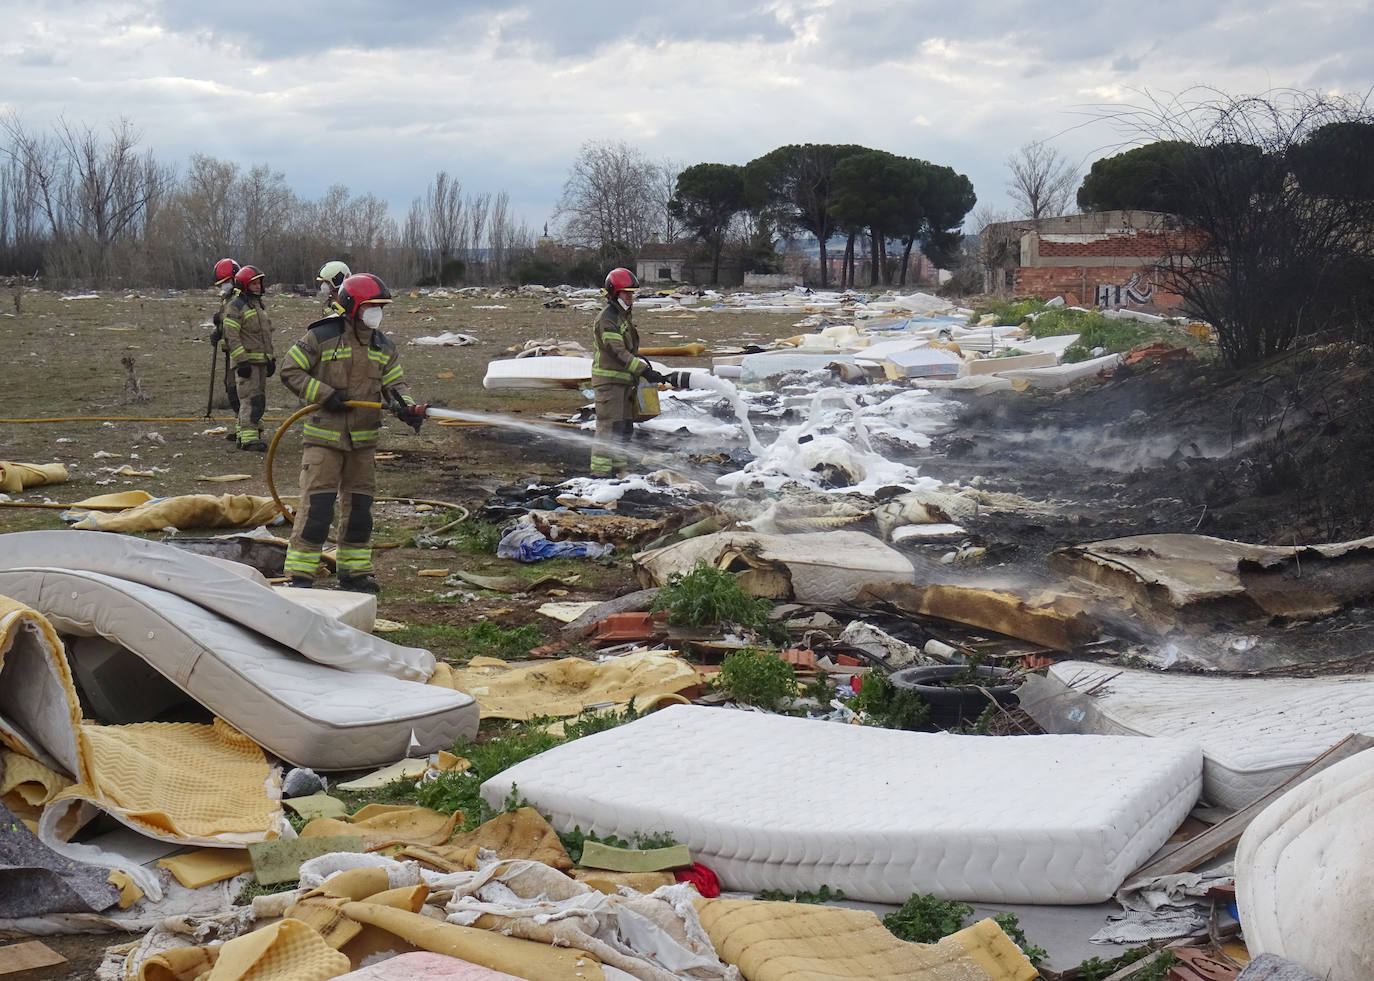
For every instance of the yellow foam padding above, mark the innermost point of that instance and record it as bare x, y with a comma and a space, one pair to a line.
14, 477
381, 825
123, 499
449, 762
128, 892
188, 511
445, 858
206, 865
799, 942
180, 781
325, 915
522, 833
285, 951
563, 687
26, 785
18, 620
443, 673
610, 882
409, 898
400, 770
523, 958
354, 884
180, 964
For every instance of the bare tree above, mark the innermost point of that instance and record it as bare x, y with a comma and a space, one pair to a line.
665, 186
609, 202
479, 206
443, 218
1042, 182
1277, 212
499, 238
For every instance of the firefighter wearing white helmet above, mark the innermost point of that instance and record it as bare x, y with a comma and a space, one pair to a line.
330, 278
341, 359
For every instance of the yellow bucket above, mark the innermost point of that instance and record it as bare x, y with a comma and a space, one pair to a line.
646, 401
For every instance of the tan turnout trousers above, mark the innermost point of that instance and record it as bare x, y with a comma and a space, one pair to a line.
327, 474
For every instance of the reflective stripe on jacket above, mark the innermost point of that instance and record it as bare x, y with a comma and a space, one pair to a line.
247, 329
615, 342
337, 354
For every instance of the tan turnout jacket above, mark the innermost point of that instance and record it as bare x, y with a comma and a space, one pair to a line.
342, 354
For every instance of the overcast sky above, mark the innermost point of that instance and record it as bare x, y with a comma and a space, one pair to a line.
379, 96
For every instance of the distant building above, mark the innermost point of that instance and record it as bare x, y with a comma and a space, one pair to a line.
1105, 259
660, 263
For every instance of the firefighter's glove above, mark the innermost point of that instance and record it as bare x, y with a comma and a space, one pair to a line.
653, 377
412, 415
336, 400
216, 335
243, 369
271, 367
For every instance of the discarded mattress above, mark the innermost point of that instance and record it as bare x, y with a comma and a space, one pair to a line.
816, 567
883, 813
1162, 573
1305, 872
558, 371
1255, 733
1062, 375
307, 713
208, 584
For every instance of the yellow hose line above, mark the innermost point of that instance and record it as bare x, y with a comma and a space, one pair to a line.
304, 410
132, 419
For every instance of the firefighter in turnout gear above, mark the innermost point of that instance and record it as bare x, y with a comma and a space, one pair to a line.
248, 336
617, 370
343, 358
330, 278
225, 270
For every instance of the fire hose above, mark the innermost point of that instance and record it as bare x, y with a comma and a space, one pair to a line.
290, 515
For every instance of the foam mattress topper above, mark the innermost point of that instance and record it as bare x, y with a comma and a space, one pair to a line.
306, 713
1255, 733
771, 802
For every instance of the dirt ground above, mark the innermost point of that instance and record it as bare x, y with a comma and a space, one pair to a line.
1280, 454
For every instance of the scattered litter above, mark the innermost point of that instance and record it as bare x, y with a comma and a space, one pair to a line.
408, 769
524, 543
446, 339
227, 478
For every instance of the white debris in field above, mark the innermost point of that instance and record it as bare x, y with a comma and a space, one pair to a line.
822, 462
447, 339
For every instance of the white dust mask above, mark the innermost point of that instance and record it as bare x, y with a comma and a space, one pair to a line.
372, 316
324, 290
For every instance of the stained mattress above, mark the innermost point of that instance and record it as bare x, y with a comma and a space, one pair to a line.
1255, 733
771, 802
307, 713
209, 584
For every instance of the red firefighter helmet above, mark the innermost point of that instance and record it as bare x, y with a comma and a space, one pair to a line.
360, 289
619, 279
246, 275
225, 270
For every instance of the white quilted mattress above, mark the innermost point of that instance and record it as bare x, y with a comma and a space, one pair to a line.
307, 713
1255, 733
770, 802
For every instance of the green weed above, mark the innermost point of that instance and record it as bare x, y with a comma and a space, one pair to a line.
1011, 926
452, 792
473, 537
575, 840
1093, 330
926, 920
888, 707
485, 637
707, 596
1095, 968
252, 889
1008, 312
756, 677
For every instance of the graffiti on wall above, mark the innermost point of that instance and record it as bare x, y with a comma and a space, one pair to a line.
1135, 290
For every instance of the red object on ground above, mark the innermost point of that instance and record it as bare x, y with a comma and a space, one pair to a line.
620, 627
799, 657
847, 661
703, 880
856, 681
1035, 660
1158, 352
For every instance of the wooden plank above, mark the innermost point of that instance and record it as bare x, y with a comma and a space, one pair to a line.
30, 961
1219, 837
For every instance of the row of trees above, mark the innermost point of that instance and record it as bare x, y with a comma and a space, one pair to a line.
86, 206
613, 202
